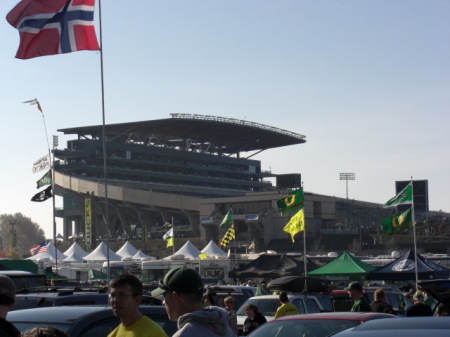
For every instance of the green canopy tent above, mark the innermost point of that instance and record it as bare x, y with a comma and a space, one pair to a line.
343, 268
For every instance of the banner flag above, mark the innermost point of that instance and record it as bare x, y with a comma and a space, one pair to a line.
34, 250
229, 235
45, 180
296, 224
404, 197
291, 202
33, 102
169, 237
227, 220
42, 164
43, 195
397, 223
53, 27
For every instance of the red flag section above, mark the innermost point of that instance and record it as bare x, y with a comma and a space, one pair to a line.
53, 27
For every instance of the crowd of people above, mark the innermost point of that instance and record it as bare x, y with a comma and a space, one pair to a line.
198, 313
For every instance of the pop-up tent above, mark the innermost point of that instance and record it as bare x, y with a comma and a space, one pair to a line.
101, 253
212, 249
188, 251
404, 268
343, 268
127, 250
272, 266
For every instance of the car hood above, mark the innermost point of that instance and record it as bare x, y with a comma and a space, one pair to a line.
439, 289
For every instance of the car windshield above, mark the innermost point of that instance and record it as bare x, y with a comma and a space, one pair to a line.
24, 326
268, 306
304, 327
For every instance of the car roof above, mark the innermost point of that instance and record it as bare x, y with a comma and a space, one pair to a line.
358, 316
67, 314
439, 289
405, 326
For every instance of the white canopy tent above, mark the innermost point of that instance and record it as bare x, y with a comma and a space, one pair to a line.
127, 250
212, 249
188, 251
75, 248
100, 254
140, 256
73, 257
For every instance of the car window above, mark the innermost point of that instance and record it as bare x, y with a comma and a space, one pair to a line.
298, 302
311, 305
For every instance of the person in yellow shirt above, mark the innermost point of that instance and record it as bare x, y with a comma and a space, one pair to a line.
286, 308
125, 296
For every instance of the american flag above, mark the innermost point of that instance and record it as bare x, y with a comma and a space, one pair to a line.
39, 248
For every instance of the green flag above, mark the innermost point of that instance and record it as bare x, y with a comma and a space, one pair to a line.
404, 197
45, 180
296, 224
398, 222
292, 202
227, 220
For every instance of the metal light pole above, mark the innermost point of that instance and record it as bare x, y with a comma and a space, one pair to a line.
346, 177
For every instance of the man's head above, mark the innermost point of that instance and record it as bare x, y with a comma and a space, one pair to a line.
355, 290
229, 302
379, 295
284, 297
125, 296
44, 331
418, 297
7, 293
182, 288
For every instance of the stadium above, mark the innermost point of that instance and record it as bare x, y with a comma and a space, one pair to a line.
188, 171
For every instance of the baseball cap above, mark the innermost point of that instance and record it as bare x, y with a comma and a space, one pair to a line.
7, 286
181, 280
354, 286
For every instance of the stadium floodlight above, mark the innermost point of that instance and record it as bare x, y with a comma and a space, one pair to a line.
346, 177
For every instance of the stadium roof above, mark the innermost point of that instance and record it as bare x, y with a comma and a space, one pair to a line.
219, 134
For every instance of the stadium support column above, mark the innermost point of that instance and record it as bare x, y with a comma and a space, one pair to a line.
194, 221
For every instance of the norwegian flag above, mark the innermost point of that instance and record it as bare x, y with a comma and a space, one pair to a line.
53, 27
39, 248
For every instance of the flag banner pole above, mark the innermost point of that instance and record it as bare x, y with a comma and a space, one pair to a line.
304, 247
414, 232
173, 243
105, 162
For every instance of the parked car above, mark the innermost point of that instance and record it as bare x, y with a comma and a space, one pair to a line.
239, 293
342, 302
84, 321
404, 326
69, 297
268, 304
315, 325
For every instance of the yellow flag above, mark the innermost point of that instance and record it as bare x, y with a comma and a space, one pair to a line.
169, 242
296, 224
203, 256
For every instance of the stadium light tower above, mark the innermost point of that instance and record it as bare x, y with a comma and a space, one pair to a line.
346, 177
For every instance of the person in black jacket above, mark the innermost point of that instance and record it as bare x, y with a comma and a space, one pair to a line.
254, 319
419, 308
379, 303
7, 300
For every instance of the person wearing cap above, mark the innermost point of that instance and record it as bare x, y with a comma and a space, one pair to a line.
125, 296
182, 289
356, 293
286, 308
419, 308
7, 300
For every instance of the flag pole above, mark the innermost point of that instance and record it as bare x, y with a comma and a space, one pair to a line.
304, 244
414, 232
105, 171
173, 242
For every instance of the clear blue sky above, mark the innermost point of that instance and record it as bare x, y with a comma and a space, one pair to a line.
367, 82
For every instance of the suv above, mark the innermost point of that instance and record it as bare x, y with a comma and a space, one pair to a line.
239, 293
342, 302
268, 305
66, 297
